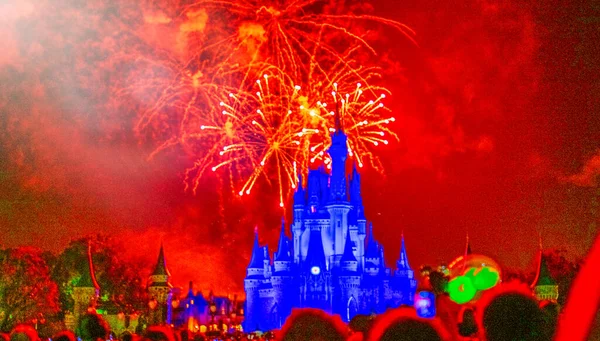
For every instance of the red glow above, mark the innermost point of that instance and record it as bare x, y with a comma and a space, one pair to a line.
495, 112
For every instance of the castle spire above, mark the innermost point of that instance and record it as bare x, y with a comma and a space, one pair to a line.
88, 277
544, 286
299, 196
402, 262
372, 251
338, 151
256, 262
161, 265
283, 252
348, 255
468, 246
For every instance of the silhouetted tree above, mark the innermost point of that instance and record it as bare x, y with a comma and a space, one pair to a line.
27, 292
121, 282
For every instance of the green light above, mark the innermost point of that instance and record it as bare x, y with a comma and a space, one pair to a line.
461, 289
486, 278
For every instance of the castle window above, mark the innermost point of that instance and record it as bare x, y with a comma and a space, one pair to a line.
313, 209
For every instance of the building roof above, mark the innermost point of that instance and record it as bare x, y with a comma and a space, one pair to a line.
161, 264
256, 262
284, 250
348, 255
402, 262
543, 276
372, 247
88, 277
315, 255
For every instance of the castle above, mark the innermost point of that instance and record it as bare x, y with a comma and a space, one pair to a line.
332, 262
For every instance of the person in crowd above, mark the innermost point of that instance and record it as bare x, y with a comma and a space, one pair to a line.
510, 312
551, 311
92, 327
158, 333
467, 326
126, 336
23, 332
404, 325
312, 325
4, 337
65, 335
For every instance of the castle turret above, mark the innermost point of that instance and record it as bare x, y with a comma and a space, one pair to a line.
338, 151
349, 283
544, 286
405, 283
315, 273
283, 257
252, 282
86, 290
285, 294
159, 290
297, 224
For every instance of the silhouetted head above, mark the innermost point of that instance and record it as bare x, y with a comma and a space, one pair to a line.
65, 335
126, 336
312, 325
158, 333
92, 327
24, 332
511, 313
404, 325
551, 310
361, 323
4, 337
467, 325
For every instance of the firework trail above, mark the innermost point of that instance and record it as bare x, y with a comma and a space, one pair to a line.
257, 135
252, 96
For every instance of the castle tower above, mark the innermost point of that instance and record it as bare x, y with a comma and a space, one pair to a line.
544, 286
86, 291
406, 284
297, 224
338, 151
349, 283
282, 279
316, 290
159, 291
254, 277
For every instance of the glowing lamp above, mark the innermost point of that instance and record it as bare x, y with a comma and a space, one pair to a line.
315, 270
425, 304
213, 308
152, 304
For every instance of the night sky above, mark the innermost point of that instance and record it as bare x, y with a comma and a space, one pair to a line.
497, 110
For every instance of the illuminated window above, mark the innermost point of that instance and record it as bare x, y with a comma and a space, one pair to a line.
313, 209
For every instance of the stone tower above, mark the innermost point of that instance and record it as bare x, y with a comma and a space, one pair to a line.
159, 291
86, 291
544, 286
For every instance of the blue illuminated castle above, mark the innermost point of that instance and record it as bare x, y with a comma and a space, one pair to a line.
332, 261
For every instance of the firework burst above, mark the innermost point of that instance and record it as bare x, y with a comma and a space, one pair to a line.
259, 135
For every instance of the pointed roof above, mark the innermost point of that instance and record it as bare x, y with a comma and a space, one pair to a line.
468, 247
402, 262
88, 277
256, 262
372, 249
338, 119
283, 252
348, 255
543, 276
161, 264
315, 255
299, 195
